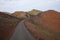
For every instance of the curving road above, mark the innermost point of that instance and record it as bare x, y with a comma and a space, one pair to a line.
21, 33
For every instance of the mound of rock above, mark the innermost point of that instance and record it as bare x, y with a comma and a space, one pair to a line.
19, 14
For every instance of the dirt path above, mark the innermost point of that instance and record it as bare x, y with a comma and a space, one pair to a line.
21, 33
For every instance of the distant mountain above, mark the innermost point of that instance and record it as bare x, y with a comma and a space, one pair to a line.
19, 14
34, 12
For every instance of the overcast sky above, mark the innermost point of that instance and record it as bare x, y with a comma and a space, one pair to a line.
26, 5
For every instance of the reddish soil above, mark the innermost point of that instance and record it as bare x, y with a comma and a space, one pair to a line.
51, 20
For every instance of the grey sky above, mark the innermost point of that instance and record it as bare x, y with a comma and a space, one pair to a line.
26, 5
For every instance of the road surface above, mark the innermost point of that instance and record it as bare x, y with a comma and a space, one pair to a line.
21, 33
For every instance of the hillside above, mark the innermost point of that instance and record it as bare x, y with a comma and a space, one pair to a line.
8, 24
45, 26
19, 14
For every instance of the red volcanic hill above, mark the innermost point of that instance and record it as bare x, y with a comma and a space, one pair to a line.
51, 20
